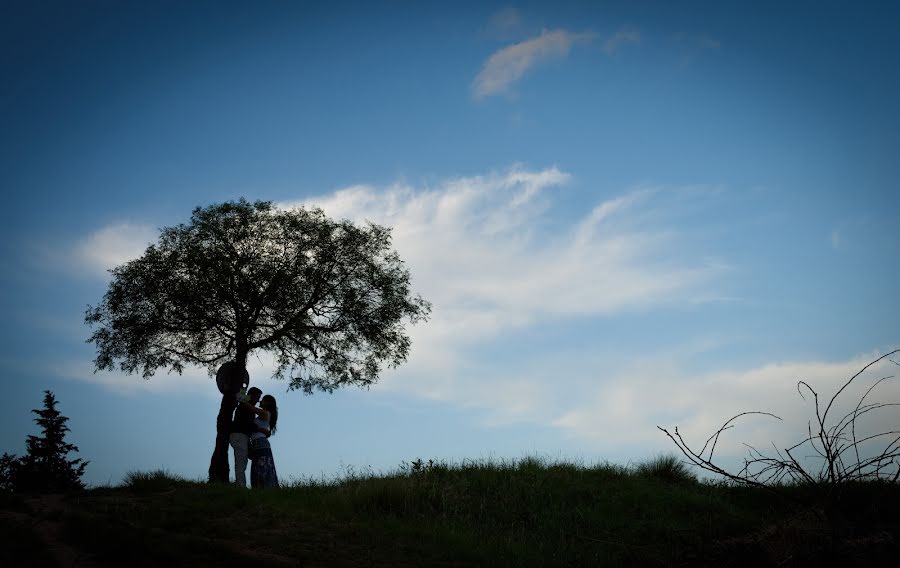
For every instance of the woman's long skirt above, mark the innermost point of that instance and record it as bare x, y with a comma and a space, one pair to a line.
262, 467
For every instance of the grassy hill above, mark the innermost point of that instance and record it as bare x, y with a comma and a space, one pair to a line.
525, 513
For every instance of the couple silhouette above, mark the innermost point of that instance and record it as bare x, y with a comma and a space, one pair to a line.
254, 421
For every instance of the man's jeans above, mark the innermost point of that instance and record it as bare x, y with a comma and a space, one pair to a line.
241, 445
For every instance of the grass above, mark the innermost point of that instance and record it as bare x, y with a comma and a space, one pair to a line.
530, 512
153, 481
666, 467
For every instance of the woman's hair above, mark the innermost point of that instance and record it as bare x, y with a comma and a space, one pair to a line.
268, 402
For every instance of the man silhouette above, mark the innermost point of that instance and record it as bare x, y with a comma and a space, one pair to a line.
239, 437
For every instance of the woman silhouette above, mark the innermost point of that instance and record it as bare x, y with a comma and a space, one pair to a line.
262, 468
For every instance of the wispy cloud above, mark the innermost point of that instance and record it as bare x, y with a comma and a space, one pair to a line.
105, 248
477, 241
508, 65
657, 391
619, 39
486, 251
505, 22
692, 45
490, 255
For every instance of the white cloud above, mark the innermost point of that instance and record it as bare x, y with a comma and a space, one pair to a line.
490, 255
508, 65
619, 39
630, 404
109, 247
481, 249
485, 251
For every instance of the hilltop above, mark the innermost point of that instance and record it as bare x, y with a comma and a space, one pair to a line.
526, 513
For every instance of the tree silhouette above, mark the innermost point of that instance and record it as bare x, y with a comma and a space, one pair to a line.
327, 299
45, 467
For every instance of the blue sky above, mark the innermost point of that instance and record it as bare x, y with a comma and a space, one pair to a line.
625, 214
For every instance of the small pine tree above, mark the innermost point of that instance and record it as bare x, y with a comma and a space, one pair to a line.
8, 467
45, 467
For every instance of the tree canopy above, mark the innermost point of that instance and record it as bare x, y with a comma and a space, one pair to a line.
328, 299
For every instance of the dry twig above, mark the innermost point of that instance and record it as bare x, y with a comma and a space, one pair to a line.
836, 446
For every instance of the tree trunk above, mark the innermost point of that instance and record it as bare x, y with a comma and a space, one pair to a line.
237, 376
218, 464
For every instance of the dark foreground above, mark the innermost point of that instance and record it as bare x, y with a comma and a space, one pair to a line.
529, 513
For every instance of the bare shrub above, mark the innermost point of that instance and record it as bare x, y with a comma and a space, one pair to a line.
835, 444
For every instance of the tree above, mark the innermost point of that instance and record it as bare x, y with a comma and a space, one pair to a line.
328, 299
45, 467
